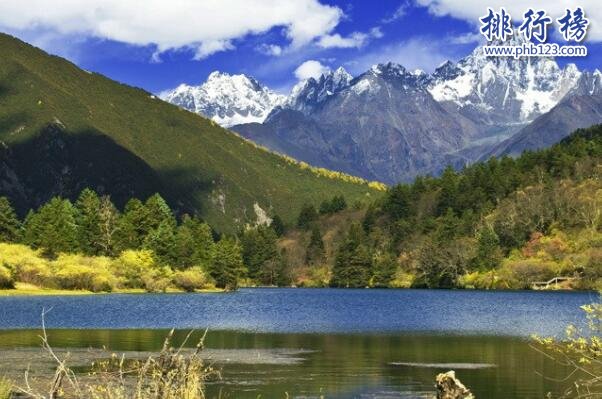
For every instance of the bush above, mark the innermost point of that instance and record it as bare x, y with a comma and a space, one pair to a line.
522, 273
6, 279
83, 273
156, 280
26, 264
132, 265
192, 279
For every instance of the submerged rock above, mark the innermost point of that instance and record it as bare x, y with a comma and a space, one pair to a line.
449, 387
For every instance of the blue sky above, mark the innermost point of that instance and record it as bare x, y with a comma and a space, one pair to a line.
173, 42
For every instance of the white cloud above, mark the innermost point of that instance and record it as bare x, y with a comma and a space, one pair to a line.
424, 53
270, 49
399, 13
472, 10
310, 69
354, 40
207, 26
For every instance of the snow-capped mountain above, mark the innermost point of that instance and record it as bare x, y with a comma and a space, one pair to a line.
227, 99
503, 89
392, 124
308, 94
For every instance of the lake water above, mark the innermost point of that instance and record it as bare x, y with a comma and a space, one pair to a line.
312, 342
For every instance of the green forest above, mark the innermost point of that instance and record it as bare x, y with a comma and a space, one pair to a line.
501, 224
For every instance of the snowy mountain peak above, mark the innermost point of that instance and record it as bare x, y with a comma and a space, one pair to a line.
227, 99
309, 93
503, 89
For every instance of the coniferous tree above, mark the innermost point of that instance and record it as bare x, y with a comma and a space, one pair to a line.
259, 248
277, 225
385, 266
53, 227
87, 218
489, 253
10, 227
162, 241
226, 266
133, 225
307, 215
353, 263
315, 249
158, 211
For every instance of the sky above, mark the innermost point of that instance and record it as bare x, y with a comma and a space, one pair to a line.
158, 44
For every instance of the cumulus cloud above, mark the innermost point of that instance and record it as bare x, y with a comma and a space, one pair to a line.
206, 26
310, 69
356, 39
472, 10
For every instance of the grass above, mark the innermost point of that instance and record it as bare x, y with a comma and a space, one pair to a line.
199, 166
24, 289
174, 373
5, 388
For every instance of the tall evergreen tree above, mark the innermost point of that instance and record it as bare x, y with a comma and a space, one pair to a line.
53, 227
162, 241
307, 215
133, 225
277, 225
385, 266
259, 248
10, 227
315, 249
87, 216
353, 262
227, 267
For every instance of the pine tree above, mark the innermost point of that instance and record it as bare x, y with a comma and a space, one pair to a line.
227, 267
489, 253
10, 227
385, 266
277, 225
315, 249
307, 215
158, 212
87, 209
133, 225
353, 263
259, 248
162, 241
53, 227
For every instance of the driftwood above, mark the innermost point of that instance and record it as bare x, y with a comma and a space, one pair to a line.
449, 387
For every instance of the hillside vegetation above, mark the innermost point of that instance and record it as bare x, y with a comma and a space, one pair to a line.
64, 129
504, 223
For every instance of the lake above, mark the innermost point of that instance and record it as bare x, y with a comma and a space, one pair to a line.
311, 342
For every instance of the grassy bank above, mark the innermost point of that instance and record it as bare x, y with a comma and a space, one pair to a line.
24, 289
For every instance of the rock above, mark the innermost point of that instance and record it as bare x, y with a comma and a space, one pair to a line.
449, 387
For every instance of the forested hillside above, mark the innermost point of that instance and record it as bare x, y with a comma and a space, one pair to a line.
64, 129
504, 223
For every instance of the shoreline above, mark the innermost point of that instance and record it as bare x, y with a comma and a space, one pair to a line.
32, 290
29, 290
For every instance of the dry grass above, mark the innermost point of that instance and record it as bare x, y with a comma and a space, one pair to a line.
5, 388
174, 373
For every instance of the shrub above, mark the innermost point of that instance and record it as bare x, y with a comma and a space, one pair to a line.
5, 388
6, 279
26, 264
84, 273
522, 273
156, 280
131, 265
192, 279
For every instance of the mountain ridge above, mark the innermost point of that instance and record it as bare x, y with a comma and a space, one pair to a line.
50, 105
460, 113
